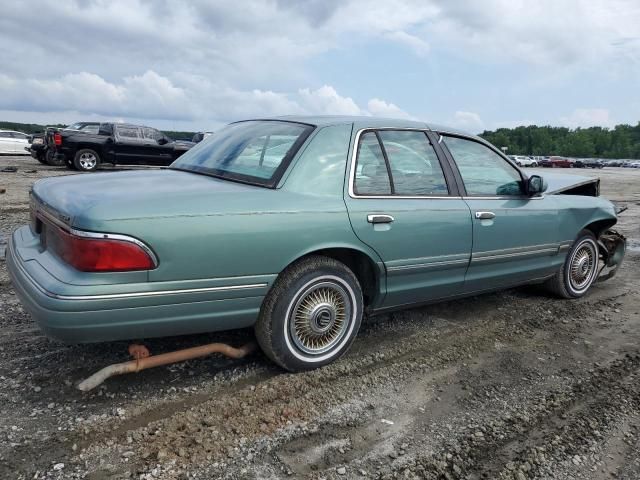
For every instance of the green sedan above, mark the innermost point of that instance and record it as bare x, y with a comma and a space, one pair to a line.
299, 226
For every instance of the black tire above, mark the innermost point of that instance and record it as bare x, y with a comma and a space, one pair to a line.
41, 158
333, 294
86, 160
579, 270
52, 160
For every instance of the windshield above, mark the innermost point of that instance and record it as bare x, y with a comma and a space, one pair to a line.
254, 152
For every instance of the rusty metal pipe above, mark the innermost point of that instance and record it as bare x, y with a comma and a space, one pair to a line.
164, 359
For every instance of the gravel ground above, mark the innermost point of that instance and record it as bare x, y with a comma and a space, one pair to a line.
512, 385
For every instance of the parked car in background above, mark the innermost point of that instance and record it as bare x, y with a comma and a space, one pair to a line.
560, 162
590, 163
545, 162
524, 161
49, 136
198, 137
299, 226
14, 143
117, 144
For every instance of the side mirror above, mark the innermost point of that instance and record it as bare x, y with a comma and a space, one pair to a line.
536, 185
162, 141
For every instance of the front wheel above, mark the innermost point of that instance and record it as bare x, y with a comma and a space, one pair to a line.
311, 315
86, 160
579, 270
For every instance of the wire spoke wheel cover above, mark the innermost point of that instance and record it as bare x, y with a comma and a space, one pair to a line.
320, 316
583, 265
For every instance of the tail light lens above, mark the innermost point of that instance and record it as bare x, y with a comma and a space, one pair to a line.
57, 139
97, 254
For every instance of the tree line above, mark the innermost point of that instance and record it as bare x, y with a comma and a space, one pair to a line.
621, 142
36, 128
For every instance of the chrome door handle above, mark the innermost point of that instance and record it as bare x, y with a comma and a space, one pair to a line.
379, 218
485, 215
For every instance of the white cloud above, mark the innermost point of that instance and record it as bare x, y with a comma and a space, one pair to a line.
418, 45
588, 117
188, 98
468, 121
326, 101
213, 60
380, 108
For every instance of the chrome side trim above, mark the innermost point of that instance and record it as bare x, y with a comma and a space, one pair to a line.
110, 296
427, 266
507, 256
564, 246
507, 251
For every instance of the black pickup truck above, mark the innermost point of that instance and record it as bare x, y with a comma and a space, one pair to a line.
115, 143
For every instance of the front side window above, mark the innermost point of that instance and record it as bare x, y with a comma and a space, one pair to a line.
254, 152
151, 134
483, 171
128, 133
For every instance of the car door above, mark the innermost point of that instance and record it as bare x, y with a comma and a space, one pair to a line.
129, 145
403, 202
515, 237
157, 148
6, 142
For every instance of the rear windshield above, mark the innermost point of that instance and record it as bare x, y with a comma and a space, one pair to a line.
256, 152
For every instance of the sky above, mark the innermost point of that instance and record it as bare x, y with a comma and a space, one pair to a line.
199, 64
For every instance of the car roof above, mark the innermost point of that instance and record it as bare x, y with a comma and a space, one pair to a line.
368, 122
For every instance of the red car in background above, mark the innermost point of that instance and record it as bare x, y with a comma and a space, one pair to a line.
556, 162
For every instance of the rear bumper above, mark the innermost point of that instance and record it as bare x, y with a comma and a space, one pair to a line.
75, 317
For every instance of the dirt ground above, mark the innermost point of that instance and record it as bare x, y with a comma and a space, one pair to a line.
512, 385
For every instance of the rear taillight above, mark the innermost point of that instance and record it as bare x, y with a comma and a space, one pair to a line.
90, 254
57, 139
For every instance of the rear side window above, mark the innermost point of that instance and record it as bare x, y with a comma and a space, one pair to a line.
483, 171
415, 169
372, 177
398, 162
90, 128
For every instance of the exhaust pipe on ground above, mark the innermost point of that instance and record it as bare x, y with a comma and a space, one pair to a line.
144, 360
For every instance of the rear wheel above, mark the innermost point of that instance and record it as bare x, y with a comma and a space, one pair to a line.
86, 160
52, 159
580, 268
311, 315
